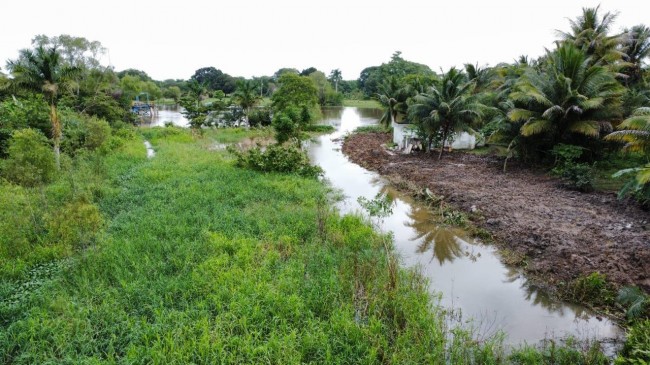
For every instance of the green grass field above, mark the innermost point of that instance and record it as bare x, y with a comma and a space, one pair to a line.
200, 262
362, 103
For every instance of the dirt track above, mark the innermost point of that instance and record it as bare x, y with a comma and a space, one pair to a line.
563, 234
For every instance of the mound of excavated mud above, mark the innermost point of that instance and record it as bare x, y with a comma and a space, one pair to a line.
563, 234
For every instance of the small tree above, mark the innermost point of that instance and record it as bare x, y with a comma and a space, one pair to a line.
42, 70
30, 161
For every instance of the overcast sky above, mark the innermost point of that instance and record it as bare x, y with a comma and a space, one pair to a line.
254, 37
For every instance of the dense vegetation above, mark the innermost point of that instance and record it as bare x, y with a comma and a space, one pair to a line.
202, 256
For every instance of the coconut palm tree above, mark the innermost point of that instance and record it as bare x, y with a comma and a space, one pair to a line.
246, 95
392, 96
43, 70
634, 132
637, 48
571, 96
336, 77
447, 107
590, 32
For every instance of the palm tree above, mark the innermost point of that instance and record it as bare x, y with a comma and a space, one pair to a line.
447, 107
246, 95
571, 96
634, 132
336, 77
637, 48
392, 96
590, 32
43, 70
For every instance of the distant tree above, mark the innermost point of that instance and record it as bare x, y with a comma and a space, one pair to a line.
636, 46
246, 95
133, 72
172, 92
282, 71
308, 71
446, 108
75, 51
335, 78
295, 91
42, 70
214, 79
590, 33
371, 78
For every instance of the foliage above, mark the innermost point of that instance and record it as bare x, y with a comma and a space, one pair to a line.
372, 129
42, 70
446, 108
84, 132
590, 33
214, 79
569, 100
290, 124
277, 158
195, 110
259, 117
76, 225
372, 77
30, 161
28, 112
318, 128
569, 353
636, 350
246, 96
295, 92
575, 175
592, 288
392, 96
636, 302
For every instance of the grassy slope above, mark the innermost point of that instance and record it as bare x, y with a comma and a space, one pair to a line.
202, 262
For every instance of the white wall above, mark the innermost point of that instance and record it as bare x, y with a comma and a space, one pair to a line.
403, 132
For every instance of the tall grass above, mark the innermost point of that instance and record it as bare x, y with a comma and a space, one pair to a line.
201, 262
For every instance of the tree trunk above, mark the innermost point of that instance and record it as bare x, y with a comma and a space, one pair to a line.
336, 86
444, 139
56, 134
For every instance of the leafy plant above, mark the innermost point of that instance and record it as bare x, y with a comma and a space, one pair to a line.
637, 302
592, 288
576, 175
636, 350
30, 161
277, 158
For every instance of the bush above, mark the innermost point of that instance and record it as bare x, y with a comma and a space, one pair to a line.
260, 117
593, 289
97, 132
76, 225
637, 345
575, 175
277, 158
30, 159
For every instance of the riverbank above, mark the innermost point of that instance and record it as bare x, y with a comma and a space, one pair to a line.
557, 236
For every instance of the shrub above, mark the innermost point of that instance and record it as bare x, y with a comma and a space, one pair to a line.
637, 345
277, 158
259, 117
76, 225
97, 132
575, 175
30, 160
592, 288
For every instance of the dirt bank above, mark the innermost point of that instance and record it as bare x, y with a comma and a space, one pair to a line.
563, 234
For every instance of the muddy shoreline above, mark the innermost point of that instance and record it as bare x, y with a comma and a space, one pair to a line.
553, 234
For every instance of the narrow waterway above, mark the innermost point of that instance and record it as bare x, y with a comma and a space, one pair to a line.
468, 275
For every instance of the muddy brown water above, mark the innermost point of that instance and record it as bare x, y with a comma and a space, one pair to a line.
468, 276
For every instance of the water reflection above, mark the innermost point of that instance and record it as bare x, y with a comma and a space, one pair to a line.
470, 276
442, 240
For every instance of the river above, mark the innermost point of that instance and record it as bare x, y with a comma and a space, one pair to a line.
466, 275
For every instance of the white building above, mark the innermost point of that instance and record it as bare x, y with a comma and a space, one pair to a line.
403, 133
